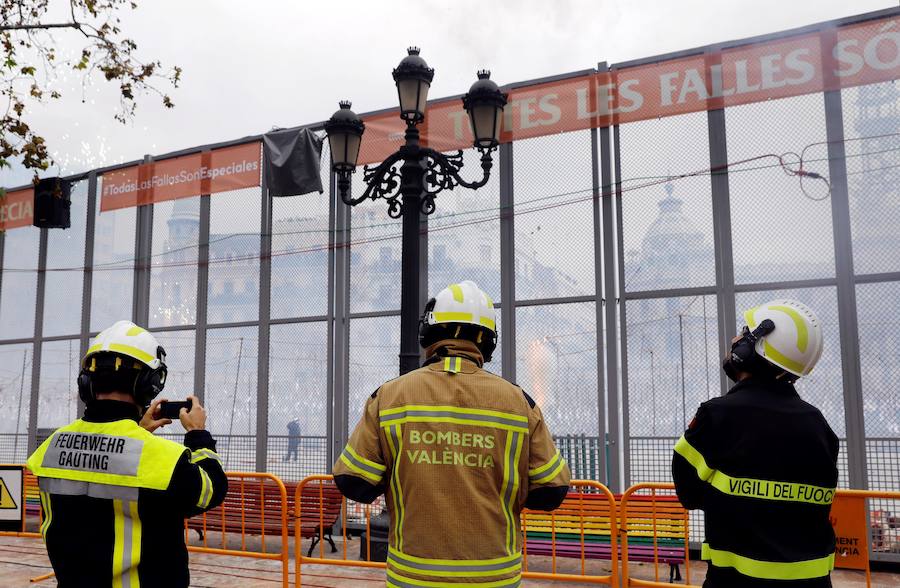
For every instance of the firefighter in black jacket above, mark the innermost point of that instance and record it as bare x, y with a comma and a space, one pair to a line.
114, 495
762, 463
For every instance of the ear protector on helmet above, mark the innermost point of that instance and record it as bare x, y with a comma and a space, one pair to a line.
743, 351
148, 383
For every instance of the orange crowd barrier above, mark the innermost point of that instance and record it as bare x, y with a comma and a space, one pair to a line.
252, 522
584, 528
654, 529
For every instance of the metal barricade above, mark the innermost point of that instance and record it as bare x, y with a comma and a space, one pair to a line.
654, 529
584, 528
254, 509
319, 506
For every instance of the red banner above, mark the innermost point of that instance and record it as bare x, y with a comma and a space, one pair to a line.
830, 59
231, 168
17, 209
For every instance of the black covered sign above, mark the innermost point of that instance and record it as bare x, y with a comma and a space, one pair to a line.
292, 162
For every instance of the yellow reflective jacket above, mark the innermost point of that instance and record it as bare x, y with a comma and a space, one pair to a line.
458, 450
114, 498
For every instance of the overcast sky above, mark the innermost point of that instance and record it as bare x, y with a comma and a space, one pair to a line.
249, 66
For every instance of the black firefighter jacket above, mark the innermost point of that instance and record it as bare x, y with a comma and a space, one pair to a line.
762, 464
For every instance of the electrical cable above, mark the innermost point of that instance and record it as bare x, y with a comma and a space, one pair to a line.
520, 210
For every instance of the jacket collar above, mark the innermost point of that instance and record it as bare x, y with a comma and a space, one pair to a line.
107, 411
756, 384
461, 348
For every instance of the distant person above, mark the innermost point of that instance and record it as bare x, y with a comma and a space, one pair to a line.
115, 496
761, 462
458, 451
293, 428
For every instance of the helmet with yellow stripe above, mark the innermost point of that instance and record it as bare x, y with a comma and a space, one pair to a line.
460, 311
123, 358
795, 344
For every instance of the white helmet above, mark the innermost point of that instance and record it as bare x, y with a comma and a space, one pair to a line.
111, 350
795, 344
461, 304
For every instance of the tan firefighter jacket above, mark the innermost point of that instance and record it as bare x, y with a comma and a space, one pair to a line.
457, 449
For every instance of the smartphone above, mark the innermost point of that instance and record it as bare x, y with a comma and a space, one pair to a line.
170, 410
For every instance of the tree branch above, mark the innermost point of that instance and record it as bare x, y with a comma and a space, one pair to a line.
33, 27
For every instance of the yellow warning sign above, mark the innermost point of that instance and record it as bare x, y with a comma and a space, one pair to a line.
6, 499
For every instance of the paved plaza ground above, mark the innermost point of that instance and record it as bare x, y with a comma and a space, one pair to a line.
22, 559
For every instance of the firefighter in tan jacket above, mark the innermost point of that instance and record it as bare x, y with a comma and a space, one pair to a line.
458, 452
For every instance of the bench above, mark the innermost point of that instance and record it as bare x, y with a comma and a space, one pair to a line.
254, 508
588, 515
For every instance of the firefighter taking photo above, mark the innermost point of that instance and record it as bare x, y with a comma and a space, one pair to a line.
457, 451
114, 495
761, 462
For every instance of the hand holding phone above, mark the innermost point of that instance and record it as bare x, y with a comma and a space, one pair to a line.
193, 418
172, 409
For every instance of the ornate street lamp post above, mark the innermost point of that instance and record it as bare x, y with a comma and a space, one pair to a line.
410, 178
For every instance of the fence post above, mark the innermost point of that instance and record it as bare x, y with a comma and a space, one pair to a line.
88, 279
265, 311
202, 299
846, 292
722, 238
38, 342
607, 328
507, 263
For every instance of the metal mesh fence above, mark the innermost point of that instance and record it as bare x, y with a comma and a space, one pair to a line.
673, 362
294, 458
556, 364
13, 448
15, 390
667, 224
20, 260
297, 399
58, 396
765, 201
231, 370
65, 253
374, 255
879, 364
883, 463
374, 345
552, 180
234, 241
173, 265
113, 275
884, 523
872, 144
464, 234
583, 456
300, 248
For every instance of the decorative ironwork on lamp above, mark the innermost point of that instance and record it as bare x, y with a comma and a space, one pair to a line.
413, 168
